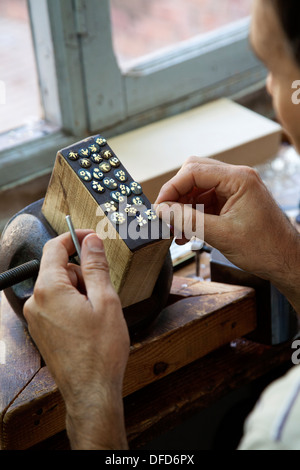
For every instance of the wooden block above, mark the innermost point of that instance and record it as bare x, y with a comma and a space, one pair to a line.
222, 129
136, 245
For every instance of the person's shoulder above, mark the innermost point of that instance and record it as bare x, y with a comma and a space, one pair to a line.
274, 422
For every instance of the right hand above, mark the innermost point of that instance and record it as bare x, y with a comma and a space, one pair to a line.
241, 218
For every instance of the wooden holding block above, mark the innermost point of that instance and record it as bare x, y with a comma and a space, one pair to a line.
90, 184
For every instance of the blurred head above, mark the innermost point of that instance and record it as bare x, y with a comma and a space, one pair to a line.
275, 38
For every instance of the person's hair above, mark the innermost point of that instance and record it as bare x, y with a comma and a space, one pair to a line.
289, 15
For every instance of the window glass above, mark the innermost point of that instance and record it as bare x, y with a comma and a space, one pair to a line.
141, 27
19, 90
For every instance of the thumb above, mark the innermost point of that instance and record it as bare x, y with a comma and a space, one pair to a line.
94, 267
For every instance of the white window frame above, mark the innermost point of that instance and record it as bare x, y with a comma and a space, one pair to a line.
84, 91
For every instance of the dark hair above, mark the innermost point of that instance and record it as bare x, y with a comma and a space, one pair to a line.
289, 15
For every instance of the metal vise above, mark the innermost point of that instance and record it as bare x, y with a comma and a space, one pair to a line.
21, 248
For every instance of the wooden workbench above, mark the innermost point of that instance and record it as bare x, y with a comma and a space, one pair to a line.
185, 362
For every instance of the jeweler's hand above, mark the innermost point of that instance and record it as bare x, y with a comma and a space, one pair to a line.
241, 219
76, 320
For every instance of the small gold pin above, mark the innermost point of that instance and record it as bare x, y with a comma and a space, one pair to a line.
96, 158
73, 156
106, 154
151, 215
98, 187
118, 218
101, 141
115, 162
84, 152
85, 163
130, 210
85, 175
137, 201
97, 174
136, 188
117, 197
105, 167
110, 183
109, 207
94, 148
121, 175
125, 190
141, 221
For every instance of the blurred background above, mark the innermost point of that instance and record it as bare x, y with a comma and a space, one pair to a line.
139, 27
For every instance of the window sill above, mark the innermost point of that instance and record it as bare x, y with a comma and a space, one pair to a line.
25, 172
153, 153
223, 130
31, 158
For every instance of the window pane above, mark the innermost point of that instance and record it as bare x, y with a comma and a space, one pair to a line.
144, 26
19, 91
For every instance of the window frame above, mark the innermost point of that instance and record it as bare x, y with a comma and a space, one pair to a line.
77, 67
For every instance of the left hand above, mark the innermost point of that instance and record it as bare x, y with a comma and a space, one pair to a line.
76, 320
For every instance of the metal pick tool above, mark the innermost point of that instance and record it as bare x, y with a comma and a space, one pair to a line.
196, 247
74, 237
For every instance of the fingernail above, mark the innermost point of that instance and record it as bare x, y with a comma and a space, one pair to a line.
94, 243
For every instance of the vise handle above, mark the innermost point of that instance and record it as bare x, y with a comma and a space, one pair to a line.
19, 274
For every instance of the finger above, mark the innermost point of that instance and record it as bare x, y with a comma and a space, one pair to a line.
57, 251
28, 308
95, 269
76, 278
189, 177
203, 175
55, 259
208, 199
189, 223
